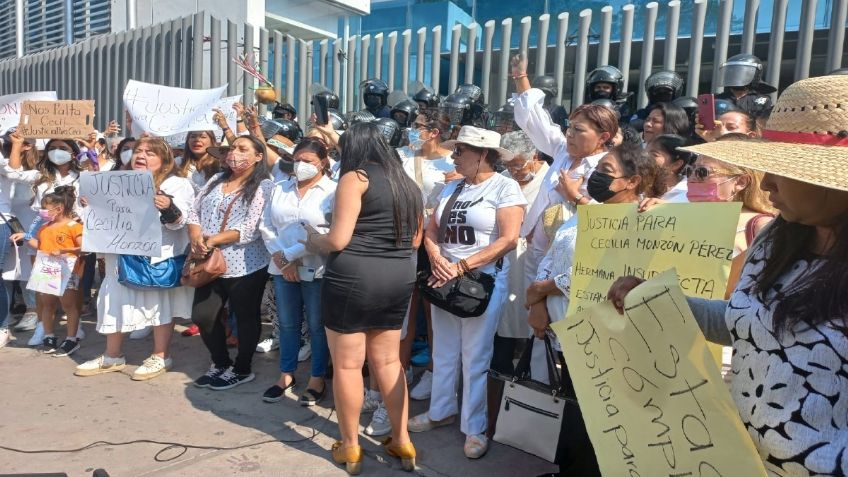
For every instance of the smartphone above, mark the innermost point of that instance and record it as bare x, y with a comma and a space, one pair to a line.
320, 103
306, 274
706, 111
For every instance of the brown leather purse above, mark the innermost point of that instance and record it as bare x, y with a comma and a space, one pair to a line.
198, 272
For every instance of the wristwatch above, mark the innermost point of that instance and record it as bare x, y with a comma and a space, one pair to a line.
283, 260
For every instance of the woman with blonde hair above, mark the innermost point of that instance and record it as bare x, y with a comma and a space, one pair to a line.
123, 309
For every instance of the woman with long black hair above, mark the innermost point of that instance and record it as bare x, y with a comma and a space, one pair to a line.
787, 319
227, 214
368, 281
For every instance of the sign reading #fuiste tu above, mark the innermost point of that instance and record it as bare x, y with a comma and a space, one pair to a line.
56, 119
120, 216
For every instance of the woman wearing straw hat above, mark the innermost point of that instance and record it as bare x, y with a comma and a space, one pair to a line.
484, 218
787, 319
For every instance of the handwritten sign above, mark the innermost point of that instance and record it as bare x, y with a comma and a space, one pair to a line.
616, 240
51, 274
56, 119
206, 121
10, 107
120, 217
165, 110
651, 395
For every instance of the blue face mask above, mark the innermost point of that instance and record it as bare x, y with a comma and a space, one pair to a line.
415, 141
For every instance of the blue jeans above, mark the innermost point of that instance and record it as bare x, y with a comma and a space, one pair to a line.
5, 232
292, 298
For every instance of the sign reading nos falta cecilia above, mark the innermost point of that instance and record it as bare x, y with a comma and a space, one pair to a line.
120, 216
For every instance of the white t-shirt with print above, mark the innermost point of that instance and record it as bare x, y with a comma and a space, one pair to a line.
432, 173
472, 224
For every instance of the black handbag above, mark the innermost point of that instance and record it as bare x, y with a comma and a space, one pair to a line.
466, 296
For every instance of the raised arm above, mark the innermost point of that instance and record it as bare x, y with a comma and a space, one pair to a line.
530, 114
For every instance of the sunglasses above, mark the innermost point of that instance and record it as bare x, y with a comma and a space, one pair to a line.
702, 173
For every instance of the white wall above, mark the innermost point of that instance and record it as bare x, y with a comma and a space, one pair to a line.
149, 12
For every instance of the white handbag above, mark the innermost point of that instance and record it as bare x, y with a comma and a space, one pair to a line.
531, 412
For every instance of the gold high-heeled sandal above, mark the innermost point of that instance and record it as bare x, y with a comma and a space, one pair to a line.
404, 452
350, 456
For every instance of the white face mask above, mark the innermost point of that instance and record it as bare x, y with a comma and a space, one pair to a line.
59, 156
304, 171
126, 156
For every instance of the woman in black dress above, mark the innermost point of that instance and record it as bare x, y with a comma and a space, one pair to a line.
368, 281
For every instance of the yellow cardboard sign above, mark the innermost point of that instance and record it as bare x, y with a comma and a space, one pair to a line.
652, 398
64, 119
616, 240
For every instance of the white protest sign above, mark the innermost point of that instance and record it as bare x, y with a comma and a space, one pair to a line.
10, 107
206, 121
165, 110
120, 217
51, 273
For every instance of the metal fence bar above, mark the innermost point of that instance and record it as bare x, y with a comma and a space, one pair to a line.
435, 78
456, 33
542, 45
579, 80
323, 58
625, 47
486, 70
805, 39
214, 52
524, 40
404, 58
422, 45
749, 26
173, 47
263, 61
232, 51
696, 45
392, 59
365, 51
470, 53
247, 51
503, 67
337, 66
775, 55
378, 55
304, 68
647, 50
559, 56
721, 42
606, 29
350, 87
289, 74
197, 51
836, 35
161, 49
672, 22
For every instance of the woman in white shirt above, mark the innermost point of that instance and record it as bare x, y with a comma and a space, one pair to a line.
482, 227
307, 197
671, 185
59, 169
122, 309
197, 164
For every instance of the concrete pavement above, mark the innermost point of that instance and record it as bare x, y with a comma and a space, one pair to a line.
46, 407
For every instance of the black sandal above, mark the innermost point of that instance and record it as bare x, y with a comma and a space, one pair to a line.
311, 397
275, 393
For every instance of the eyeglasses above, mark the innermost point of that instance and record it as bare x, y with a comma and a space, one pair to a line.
421, 127
702, 173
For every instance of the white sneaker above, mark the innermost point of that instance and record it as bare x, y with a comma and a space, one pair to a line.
28, 322
5, 336
142, 333
266, 345
380, 424
304, 353
152, 367
372, 401
80, 333
101, 364
421, 391
38, 336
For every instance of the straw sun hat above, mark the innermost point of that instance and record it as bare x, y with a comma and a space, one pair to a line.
805, 138
479, 137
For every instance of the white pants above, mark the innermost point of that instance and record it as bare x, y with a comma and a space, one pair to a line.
469, 342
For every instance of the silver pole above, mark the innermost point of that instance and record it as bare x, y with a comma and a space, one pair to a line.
19, 28
132, 14
406, 38
456, 32
524, 39
291, 80
214, 52
232, 51
606, 29
197, 51
775, 56
337, 76
805, 39
559, 62
351, 74
392, 60
364, 52
836, 36
341, 88
436, 70
577, 84
278, 66
422, 45
647, 50
722, 40
378, 56
542, 44
69, 21
696, 46
749, 28
470, 51
673, 25
302, 86
249, 81
263, 61
488, 35
626, 45
324, 46
503, 70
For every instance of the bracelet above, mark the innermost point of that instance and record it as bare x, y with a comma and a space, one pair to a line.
523, 75
239, 120
577, 199
459, 271
225, 129
464, 265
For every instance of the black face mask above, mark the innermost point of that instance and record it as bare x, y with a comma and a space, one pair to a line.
600, 94
599, 186
372, 102
661, 95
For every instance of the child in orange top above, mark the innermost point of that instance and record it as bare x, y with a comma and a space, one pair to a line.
62, 235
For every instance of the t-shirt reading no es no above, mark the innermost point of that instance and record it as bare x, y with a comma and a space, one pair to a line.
472, 223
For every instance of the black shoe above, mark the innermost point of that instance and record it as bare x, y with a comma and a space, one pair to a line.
275, 393
205, 380
67, 347
228, 379
311, 397
49, 345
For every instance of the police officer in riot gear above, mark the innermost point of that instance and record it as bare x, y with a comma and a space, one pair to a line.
661, 87
548, 85
284, 111
375, 95
607, 82
742, 79
427, 99
405, 112
391, 131
479, 110
503, 120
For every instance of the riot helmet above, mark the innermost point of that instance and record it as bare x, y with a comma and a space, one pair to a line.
473, 92
375, 93
284, 111
405, 113
609, 104
283, 127
391, 131
457, 109
663, 87
548, 86
744, 71
606, 74
361, 116
503, 120
337, 121
688, 104
426, 99
332, 99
